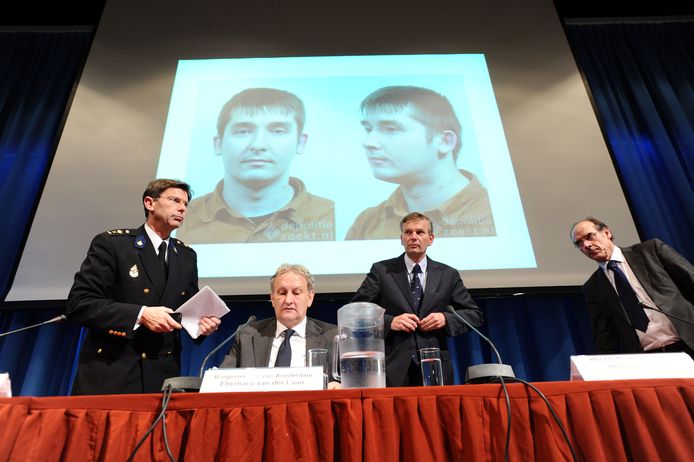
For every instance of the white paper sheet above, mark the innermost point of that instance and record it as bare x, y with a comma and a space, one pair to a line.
204, 303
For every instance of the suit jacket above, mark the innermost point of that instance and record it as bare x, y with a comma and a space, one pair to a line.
254, 342
119, 276
388, 286
666, 276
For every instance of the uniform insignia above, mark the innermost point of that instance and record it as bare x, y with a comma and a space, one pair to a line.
140, 241
134, 272
115, 232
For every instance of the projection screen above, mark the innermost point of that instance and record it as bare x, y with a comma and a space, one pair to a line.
159, 74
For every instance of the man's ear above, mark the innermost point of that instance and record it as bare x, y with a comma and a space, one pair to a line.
447, 142
148, 202
301, 145
217, 144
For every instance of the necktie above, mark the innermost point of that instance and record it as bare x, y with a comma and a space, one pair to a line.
416, 287
630, 302
162, 258
284, 354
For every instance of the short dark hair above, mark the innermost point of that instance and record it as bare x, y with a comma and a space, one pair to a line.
254, 100
415, 216
431, 109
599, 225
158, 186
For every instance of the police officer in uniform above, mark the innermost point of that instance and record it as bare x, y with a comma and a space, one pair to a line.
124, 292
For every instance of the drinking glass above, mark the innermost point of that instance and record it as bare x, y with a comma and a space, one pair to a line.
430, 361
319, 357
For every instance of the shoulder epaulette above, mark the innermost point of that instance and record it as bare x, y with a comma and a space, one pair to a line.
121, 232
182, 244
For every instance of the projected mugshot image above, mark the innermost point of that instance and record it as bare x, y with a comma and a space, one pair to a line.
259, 133
412, 138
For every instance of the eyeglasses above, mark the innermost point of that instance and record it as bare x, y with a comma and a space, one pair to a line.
590, 237
174, 200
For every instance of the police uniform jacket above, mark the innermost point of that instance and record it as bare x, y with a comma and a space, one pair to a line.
119, 276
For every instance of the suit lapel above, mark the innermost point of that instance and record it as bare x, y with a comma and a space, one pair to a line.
433, 278
398, 271
149, 261
604, 286
262, 344
314, 337
638, 267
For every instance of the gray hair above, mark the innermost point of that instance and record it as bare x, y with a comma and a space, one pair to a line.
301, 270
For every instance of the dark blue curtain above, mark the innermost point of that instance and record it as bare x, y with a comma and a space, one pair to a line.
40, 361
38, 72
535, 335
641, 76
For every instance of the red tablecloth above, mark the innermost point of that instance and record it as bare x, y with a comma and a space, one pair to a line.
614, 421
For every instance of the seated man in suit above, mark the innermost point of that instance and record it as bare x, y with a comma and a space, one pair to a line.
415, 291
642, 296
285, 339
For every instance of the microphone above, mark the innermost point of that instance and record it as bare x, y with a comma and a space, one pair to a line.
251, 318
669, 315
192, 383
484, 373
57, 319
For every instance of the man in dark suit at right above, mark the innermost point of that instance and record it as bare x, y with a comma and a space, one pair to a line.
410, 323
652, 278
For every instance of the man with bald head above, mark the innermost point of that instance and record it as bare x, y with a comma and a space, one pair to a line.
641, 298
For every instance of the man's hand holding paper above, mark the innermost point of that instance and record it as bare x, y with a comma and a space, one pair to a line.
202, 313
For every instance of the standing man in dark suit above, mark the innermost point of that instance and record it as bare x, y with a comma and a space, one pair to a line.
261, 343
124, 293
410, 323
659, 282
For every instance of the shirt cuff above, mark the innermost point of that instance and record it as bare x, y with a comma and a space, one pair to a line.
139, 316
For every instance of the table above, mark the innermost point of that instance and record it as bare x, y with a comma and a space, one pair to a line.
611, 420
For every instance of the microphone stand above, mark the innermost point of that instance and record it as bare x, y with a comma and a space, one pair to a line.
669, 315
192, 383
489, 373
60, 318
484, 373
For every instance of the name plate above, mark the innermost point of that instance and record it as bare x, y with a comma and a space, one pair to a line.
262, 379
5, 386
632, 366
